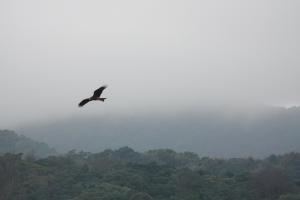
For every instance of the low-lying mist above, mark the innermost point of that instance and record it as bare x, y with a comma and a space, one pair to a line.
217, 133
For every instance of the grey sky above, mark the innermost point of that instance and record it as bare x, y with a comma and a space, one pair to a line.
154, 55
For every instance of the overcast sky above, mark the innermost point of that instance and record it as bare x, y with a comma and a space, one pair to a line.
154, 55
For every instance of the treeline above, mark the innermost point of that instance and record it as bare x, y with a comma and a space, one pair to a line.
125, 174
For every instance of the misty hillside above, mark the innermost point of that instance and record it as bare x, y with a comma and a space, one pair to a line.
10, 142
215, 133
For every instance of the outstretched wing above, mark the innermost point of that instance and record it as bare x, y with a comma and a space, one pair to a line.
98, 92
83, 102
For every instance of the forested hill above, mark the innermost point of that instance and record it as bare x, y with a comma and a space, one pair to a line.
125, 174
10, 142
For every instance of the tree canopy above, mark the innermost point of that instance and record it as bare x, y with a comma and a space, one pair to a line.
163, 174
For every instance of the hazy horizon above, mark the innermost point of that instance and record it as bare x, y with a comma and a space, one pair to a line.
207, 133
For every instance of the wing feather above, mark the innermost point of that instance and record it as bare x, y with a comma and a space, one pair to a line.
83, 102
98, 92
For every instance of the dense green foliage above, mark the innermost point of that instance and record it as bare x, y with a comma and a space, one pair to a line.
10, 142
124, 174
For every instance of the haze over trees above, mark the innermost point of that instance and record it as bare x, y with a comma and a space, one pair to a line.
31, 170
256, 132
10, 142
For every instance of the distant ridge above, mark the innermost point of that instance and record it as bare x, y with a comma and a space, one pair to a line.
10, 142
222, 132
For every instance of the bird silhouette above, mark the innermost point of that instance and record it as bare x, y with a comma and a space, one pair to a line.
96, 96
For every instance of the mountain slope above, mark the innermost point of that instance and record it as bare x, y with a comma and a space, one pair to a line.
10, 142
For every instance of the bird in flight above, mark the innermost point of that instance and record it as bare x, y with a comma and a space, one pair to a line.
96, 96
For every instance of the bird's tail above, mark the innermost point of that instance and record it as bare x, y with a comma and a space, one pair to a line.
102, 99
